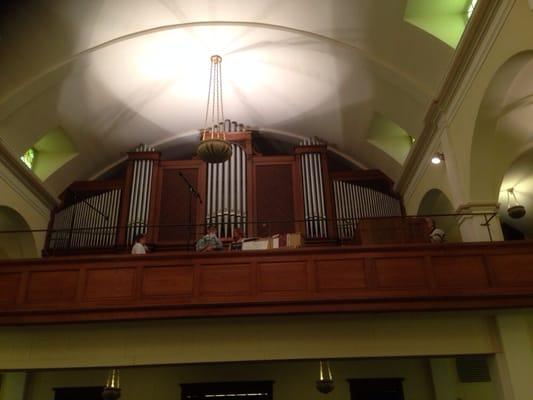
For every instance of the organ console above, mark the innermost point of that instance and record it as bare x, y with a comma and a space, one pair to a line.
305, 192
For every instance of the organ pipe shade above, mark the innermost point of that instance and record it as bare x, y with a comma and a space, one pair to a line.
313, 191
354, 202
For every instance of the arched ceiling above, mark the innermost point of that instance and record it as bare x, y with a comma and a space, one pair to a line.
113, 73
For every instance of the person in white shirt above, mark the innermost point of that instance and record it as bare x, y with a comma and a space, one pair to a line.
436, 235
139, 246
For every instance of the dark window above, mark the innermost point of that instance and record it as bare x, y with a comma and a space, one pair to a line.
79, 393
376, 389
227, 391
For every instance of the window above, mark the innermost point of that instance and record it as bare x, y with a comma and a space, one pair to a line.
471, 8
28, 157
227, 391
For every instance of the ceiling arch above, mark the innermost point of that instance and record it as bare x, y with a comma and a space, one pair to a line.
113, 74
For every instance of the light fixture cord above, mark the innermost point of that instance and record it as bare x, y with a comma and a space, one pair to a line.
215, 105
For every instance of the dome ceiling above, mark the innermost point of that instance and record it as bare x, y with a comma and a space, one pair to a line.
112, 74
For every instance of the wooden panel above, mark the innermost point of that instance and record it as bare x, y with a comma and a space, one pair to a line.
392, 230
9, 287
110, 283
224, 280
460, 271
174, 203
332, 275
274, 198
403, 273
512, 269
167, 281
282, 277
52, 286
344, 279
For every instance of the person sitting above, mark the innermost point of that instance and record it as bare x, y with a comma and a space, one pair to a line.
210, 241
238, 237
139, 246
436, 235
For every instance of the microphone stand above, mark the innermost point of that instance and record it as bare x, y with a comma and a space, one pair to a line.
192, 192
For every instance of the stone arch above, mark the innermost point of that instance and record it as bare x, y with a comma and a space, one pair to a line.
436, 202
15, 245
502, 130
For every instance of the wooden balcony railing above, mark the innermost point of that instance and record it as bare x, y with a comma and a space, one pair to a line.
338, 279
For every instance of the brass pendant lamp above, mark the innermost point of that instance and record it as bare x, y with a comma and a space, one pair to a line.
213, 147
112, 387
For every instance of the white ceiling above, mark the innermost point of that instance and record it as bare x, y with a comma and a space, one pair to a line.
114, 73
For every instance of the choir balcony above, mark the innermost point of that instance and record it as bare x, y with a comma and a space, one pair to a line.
346, 277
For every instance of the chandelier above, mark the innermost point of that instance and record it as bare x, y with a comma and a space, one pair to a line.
213, 147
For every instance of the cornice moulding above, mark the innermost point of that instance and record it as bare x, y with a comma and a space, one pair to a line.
475, 44
25, 177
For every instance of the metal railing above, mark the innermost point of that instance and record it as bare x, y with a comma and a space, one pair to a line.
341, 231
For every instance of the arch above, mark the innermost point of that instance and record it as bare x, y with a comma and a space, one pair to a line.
15, 245
519, 177
502, 129
436, 202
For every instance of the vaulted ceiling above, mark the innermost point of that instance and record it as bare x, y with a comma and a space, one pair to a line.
114, 73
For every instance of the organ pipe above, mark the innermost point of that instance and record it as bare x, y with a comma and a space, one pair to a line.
353, 202
80, 226
226, 190
313, 189
140, 195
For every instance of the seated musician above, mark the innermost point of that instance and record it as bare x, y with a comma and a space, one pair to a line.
436, 235
139, 246
210, 241
237, 239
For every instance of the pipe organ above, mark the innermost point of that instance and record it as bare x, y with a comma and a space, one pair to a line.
304, 191
313, 191
353, 202
141, 189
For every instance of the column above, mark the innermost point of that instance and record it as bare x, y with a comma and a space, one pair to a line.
474, 227
444, 379
13, 385
512, 369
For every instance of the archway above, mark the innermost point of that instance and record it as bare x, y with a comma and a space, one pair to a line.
436, 202
503, 126
15, 245
519, 178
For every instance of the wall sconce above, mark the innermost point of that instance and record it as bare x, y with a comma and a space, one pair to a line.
112, 387
514, 208
325, 383
437, 158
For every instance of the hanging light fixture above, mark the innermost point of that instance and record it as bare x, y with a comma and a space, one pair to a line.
112, 387
514, 208
213, 147
325, 383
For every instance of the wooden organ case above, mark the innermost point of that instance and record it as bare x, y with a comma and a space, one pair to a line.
261, 194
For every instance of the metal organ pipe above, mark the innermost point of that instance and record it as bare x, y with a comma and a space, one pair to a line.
353, 202
140, 195
90, 229
313, 190
226, 189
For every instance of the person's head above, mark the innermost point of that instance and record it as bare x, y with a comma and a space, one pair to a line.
212, 230
237, 233
430, 222
140, 238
